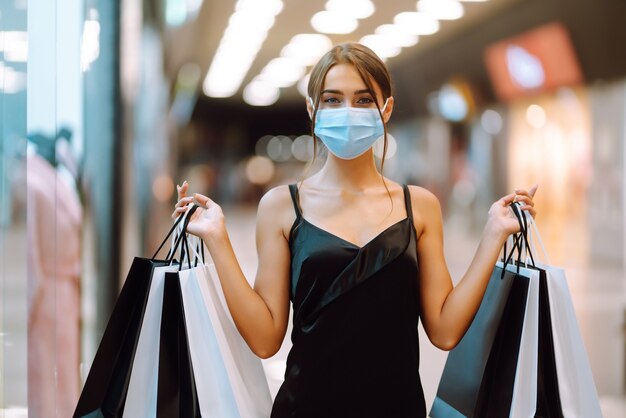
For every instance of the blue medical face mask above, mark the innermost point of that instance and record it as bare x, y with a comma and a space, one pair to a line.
348, 132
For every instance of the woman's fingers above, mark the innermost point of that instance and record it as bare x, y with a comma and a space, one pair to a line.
178, 211
508, 199
530, 193
526, 197
202, 200
182, 190
184, 202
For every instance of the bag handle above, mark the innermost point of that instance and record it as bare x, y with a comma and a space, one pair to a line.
534, 232
194, 246
197, 246
524, 221
520, 242
180, 240
176, 224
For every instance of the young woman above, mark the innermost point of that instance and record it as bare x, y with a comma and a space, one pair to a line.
358, 255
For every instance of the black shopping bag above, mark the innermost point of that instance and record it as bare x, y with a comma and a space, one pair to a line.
462, 378
104, 392
496, 393
177, 395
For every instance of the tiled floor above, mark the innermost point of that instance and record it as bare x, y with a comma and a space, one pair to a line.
599, 297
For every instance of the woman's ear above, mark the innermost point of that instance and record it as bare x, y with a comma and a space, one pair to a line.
388, 109
310, 107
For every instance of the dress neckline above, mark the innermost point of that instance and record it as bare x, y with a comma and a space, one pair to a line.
350, 243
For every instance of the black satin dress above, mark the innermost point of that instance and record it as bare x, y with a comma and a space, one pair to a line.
355, 344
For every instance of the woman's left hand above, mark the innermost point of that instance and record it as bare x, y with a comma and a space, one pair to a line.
501, 216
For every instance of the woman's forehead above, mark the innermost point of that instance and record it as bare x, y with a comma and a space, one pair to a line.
346, 78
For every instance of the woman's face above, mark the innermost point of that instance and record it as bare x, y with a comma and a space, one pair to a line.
343, 87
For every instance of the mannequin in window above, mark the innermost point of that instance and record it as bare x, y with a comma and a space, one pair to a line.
54, 219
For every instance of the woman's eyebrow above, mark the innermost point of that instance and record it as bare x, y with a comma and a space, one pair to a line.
340, 92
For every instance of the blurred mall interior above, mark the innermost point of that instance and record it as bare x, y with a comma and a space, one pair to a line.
119, 101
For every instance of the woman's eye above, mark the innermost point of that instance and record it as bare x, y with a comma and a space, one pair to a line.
365, 101
331, 100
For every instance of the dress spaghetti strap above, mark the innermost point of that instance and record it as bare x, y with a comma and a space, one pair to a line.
295, 198
407, 202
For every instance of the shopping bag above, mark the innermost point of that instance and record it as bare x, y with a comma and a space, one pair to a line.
177, 396
491, 369
142, 393
230, 378
508, 385
217, 397
505, 301
577, 392
141, 398
105, 390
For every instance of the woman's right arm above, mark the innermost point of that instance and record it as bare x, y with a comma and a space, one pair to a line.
260, 313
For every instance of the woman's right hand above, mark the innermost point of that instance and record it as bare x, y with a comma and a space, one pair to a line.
207, 222
183, 200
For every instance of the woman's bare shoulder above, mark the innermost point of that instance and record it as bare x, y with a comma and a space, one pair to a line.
425, 205
276, 197
276, 207
422, 196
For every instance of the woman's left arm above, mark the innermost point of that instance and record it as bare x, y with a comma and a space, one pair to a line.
446, 310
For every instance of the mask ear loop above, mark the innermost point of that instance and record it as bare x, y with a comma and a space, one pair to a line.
312, 103
382, 111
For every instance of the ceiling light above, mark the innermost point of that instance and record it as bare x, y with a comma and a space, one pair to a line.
396, 36
251, 21
247, 29
441, 9
303, 85
491, 122
358, 9
259, 170
307, 48
259, 93
452, 104
302, 148
380, 46
536, 116
282, 72
333, 22
273, 7
416, 23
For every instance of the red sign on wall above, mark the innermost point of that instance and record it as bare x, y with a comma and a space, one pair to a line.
538, 60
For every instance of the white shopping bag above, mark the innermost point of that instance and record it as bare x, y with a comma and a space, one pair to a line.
244, 368
577, 390
215, 391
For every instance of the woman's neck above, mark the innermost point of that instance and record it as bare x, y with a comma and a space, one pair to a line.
354, 175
